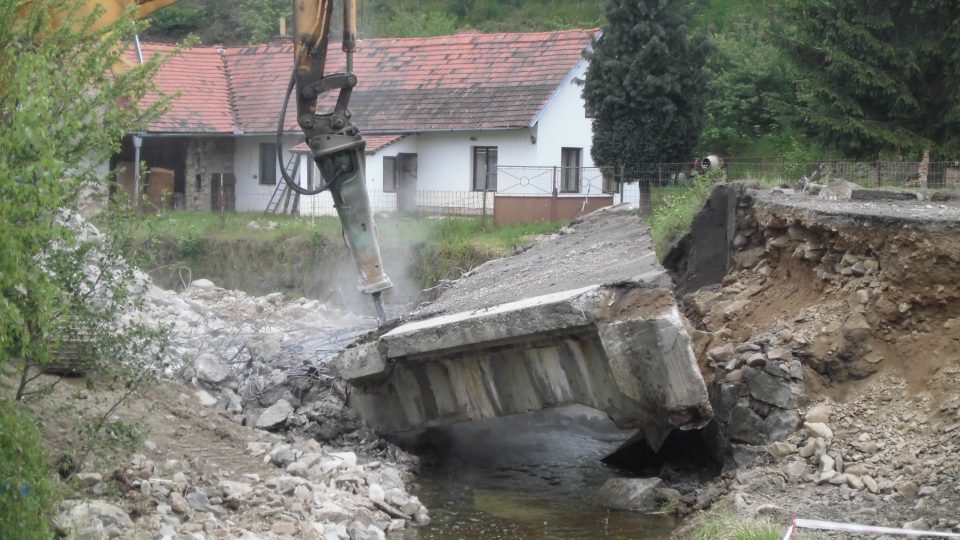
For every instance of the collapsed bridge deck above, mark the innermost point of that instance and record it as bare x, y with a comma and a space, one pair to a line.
587, 317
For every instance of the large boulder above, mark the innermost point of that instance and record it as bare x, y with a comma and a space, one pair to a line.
275, 416
639, 494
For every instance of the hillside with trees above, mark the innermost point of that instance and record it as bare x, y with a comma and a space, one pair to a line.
237, 22
800, 79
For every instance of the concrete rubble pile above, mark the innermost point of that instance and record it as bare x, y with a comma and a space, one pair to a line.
312, 493
261, 359
262, 362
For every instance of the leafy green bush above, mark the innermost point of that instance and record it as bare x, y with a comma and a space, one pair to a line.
28, 493
674, 208
190, 244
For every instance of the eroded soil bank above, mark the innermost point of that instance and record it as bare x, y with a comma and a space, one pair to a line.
831, 345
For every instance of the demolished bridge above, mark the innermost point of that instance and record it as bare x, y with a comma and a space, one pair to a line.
586, 317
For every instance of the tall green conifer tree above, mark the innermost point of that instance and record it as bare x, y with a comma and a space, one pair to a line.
646, 84
877, 77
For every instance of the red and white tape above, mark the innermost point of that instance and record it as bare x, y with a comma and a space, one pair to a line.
853, 527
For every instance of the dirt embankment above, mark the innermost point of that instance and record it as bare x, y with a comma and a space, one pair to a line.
835, 336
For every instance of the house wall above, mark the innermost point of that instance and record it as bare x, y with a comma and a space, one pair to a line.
206, 157
445, 161
563, 122
251, 196
446, 158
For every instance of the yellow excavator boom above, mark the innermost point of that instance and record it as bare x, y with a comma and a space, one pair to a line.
112, 10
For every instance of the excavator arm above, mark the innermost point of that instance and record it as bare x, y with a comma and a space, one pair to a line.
336, 144
334, 141
112, 10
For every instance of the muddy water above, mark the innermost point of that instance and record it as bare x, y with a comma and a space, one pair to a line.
534, 477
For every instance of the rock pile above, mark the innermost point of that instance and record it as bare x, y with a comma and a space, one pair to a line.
814, 303
876, 460
313, 493
757, 389
261, 362
261, 359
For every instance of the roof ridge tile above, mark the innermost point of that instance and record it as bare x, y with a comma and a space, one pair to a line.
231, 98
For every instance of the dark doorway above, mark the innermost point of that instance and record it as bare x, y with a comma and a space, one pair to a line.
407, 182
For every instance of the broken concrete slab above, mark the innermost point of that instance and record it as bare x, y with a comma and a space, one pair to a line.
587, 318
883, 195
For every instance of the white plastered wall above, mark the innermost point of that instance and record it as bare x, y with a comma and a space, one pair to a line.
252, 196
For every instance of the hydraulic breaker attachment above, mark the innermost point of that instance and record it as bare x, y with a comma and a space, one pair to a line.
336, 144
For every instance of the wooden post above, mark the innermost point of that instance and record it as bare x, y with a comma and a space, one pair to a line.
223, 219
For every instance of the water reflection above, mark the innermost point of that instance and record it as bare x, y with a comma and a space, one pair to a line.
533, 476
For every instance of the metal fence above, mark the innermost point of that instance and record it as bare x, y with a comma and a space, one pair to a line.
565, 192
893, 174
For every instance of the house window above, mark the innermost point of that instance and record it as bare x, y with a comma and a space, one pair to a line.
570, 170
484, 168
389, 175
268, 163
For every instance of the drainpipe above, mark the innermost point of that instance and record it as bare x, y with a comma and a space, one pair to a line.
137, 142
136, 41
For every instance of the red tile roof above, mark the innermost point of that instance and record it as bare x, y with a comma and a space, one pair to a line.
203, 105
375, 143
466, 81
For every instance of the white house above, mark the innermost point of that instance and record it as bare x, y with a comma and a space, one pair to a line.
449, 122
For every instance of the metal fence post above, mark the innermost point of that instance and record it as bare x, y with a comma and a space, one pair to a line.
553, 196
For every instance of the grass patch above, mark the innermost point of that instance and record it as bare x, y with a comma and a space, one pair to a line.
674, 208
457, 232
190, 228
445, 248
434, 248
198, 225
725, 525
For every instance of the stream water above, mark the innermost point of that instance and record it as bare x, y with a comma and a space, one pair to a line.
532, 477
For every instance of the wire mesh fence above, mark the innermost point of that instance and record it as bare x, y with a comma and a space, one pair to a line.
424, 202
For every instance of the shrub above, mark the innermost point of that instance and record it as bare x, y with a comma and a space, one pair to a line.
190, 244
28, 494
674, 208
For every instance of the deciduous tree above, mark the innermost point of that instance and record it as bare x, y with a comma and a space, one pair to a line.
63, 112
